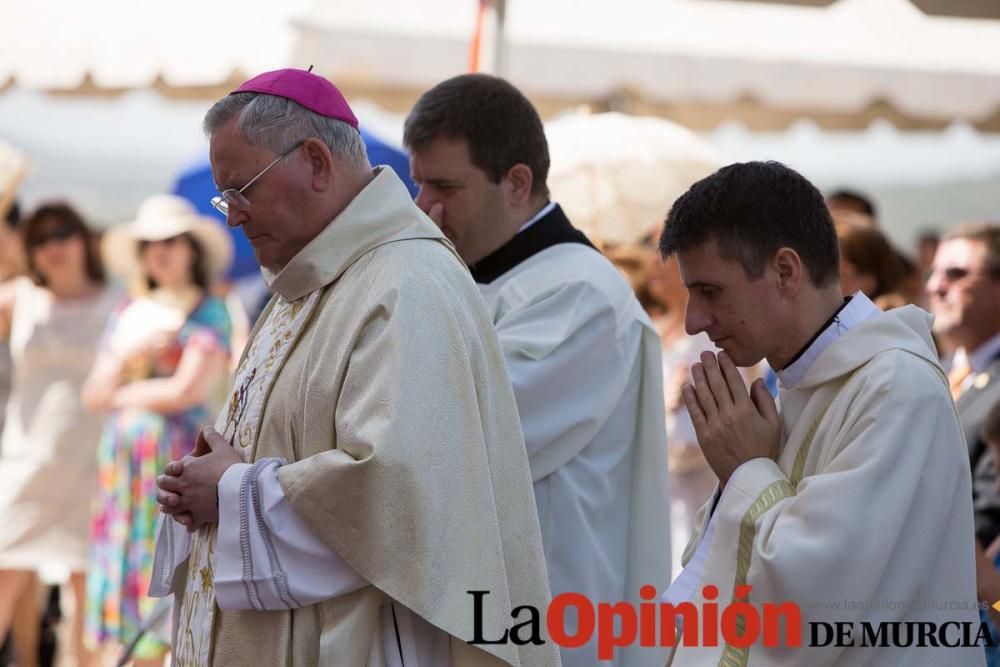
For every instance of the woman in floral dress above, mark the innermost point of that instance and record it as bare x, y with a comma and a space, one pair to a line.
164, 356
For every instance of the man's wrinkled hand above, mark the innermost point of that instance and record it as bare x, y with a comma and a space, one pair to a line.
167, 499
188, 489
733, 425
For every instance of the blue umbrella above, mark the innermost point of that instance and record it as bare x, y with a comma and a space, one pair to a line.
197, 186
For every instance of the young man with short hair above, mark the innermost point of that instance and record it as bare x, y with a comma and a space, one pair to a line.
851, 496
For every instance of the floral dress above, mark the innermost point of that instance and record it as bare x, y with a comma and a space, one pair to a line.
135, 447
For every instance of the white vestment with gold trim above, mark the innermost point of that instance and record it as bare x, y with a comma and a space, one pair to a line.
866, 516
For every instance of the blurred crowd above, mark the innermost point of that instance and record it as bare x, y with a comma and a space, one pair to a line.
116, 350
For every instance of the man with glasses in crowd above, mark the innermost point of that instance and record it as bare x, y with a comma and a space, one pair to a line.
368, 470
964, 296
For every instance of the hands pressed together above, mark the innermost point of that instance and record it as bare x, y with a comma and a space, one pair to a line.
188, 489
733, 425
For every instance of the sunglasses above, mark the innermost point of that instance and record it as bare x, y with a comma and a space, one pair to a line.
956, 274
58, 233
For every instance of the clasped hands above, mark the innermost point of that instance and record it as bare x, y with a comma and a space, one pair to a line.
733, 425
189, 489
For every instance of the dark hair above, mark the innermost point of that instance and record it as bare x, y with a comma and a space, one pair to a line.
199, 271
907, 267
929, 236
990, 428
858, 200
869, 251
752, 209
635, 261
66, 216
497, 121
13, 215
987, 233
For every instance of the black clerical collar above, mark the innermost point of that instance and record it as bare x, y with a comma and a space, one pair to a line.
551, 229
816, 335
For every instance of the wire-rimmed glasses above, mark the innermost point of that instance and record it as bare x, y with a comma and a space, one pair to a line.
234, 197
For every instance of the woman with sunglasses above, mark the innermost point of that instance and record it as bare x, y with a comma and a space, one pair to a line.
165, 354
47, 456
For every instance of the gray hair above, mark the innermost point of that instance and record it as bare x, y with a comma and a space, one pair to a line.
277, 123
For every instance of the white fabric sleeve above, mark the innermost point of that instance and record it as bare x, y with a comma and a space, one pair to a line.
569, 365
173, 545
266, 557
685, 587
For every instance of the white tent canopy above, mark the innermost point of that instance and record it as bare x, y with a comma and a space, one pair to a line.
122, 44
843, 58
700, 62
107, 153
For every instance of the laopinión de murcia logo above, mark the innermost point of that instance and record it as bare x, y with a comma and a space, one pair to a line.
738, 624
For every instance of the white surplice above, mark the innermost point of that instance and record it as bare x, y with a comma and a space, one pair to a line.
585, 363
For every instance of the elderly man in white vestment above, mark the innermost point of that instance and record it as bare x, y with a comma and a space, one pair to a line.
851, 497
368, 470
582, 355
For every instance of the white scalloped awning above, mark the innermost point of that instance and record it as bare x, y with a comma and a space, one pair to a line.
853, 58
122, 44
700, 62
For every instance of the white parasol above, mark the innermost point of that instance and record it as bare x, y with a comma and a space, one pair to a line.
616, 176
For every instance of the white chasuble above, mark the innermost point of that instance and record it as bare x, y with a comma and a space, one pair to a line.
239, 423
376, 379
864, 519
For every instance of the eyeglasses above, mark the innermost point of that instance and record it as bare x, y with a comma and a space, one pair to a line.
236, 198
59, 233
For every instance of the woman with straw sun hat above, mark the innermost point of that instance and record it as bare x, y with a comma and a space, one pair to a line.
164, 353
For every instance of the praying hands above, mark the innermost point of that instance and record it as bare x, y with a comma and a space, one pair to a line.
189, 489
733, 426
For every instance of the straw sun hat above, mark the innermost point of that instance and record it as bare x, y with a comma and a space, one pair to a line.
162, 217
